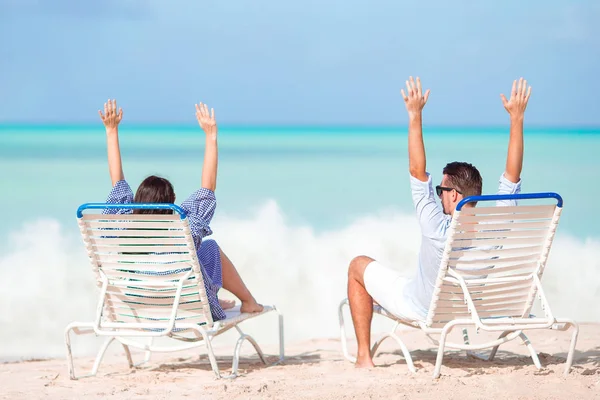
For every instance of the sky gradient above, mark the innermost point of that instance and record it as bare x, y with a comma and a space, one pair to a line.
309, 63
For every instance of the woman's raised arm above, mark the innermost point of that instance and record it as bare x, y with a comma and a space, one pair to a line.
209, 126
111, 119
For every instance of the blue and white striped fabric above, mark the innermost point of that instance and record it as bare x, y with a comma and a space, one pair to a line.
200, 208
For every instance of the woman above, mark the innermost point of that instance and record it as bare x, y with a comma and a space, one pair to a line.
217, 270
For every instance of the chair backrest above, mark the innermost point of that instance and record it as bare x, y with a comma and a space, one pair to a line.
147, 267
498, 255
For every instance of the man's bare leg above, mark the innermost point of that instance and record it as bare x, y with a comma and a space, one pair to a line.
361, 308
233, 283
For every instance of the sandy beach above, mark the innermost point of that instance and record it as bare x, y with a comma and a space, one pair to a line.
317, 369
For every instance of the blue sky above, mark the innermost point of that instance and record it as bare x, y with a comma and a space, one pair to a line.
291, 62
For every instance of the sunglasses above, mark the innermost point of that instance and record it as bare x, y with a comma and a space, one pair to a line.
439, 189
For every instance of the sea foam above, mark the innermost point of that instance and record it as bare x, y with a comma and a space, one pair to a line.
46, 280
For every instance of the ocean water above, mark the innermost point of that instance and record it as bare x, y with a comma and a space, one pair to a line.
295, 205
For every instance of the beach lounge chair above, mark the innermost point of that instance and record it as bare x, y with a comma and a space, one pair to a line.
489, 278
151, 285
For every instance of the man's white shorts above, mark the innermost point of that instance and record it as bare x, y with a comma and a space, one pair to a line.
387, 287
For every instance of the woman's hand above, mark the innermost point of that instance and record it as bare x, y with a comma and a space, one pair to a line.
111, 118
207, 121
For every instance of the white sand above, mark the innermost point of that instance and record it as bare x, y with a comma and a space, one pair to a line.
316, 369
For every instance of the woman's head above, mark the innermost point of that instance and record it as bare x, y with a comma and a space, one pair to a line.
154, 189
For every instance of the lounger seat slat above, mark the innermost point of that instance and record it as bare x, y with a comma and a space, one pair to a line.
477, 289
154, 292
527, 267
487, 263
130, 265
141, 319
156, 311
502, 253
137, 248
138, 278
146, 258
137, 233
130, 217
488, 228
485, 210
484, 300
504, 242
501, 233
506, 217
136, 225
147, 241
476, 294
139, 301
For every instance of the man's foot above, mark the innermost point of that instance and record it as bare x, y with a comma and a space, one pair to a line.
226, 304
366, 363
251, 307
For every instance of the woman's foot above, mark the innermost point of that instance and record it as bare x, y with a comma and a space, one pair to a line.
226, 304
251, 307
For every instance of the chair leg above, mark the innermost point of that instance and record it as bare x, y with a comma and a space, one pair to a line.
211, 354
440, 354
128, 355
471, 353
572, 348
532, 352
379, 342
79, 329
236, 354
281, 338
567, 324
343, 338
70, 366
495, 349
148, 352
100, 355
405, 352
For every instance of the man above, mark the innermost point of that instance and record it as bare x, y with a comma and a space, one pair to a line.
370, 281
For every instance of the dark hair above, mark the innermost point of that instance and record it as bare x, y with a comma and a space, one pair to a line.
465, 178
154, 189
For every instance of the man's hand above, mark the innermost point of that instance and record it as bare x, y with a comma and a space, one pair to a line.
516, 108
519, 96
207, 121
111, 118
414, 98
415, 101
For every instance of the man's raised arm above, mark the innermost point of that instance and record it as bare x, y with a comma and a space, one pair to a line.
516, 109
415, 100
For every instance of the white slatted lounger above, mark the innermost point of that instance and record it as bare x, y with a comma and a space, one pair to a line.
151, 286
489, 278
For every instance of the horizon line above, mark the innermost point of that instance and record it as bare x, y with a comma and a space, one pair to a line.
143, 125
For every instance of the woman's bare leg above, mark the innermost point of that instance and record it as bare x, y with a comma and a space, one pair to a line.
233, 283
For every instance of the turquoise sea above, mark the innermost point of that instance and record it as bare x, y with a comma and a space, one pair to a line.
295, 204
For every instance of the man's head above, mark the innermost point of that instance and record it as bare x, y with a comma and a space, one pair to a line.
460, 180
154, 189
